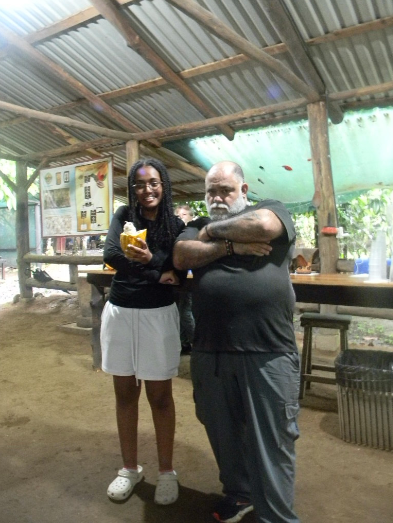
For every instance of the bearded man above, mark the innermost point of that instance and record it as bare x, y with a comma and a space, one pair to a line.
244, 362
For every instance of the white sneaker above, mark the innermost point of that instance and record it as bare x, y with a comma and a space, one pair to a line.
167, 489
121, 488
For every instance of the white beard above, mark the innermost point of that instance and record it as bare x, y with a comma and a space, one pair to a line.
221, 211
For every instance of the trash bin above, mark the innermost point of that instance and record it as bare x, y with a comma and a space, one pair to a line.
365, 397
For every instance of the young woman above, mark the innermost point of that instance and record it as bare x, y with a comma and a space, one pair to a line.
140, 325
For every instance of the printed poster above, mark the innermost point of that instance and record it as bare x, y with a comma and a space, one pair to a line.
77, 199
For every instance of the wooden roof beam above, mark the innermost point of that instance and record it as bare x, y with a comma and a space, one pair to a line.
210, 67
176, 132
111, 11
172, 161
171, 131
50, 118
71, 139
285, 27
61, 75
43, 163
8, 181
64, 120
90, 14
68, 149
214, 24
62, 26
10, 157
362, 91
206, 124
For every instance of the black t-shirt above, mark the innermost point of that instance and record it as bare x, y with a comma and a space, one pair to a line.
246, 303
135, 285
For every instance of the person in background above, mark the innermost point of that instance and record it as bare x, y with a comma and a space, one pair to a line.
244, 361
187, 322
140, 325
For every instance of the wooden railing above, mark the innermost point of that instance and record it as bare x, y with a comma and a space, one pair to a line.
73, 261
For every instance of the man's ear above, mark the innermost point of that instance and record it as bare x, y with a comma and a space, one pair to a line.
244, 189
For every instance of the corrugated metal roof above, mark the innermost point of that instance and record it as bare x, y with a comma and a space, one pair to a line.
97, 56
39, 14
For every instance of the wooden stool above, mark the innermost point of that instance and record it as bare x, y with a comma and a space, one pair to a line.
308, 320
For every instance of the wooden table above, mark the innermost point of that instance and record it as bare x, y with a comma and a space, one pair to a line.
343, 289
333, 289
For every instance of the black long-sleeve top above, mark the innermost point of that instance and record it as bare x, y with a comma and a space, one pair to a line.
135, 285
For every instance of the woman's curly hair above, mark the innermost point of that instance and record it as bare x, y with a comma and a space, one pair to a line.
164, 230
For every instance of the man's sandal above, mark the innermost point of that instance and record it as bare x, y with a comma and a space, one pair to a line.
121, 488
167, 489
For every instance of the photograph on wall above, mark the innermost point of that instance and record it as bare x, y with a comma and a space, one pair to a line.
77, 199
92, 196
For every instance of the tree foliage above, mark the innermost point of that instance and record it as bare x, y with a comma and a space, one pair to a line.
361, 218
6, 194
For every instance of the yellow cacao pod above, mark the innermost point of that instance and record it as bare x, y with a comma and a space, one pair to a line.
131, 239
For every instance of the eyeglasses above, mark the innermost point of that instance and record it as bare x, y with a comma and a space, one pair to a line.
140, 187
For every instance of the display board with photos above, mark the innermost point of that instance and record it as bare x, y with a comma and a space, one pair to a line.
77, 199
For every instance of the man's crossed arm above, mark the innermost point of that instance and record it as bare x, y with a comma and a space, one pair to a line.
250, 234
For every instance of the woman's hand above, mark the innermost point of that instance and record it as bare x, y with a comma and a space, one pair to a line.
169, 278
140, 254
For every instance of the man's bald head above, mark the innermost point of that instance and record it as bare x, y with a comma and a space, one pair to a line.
226, 192
227, 167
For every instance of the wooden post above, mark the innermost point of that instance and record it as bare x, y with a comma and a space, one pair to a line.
22, 227
73, 273
324, 199
325, 203
132, 153
97, 306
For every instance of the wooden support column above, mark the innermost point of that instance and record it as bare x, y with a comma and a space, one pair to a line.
132, 153
324, 199
22, 227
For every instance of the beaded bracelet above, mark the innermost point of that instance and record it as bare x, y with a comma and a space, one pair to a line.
229, 247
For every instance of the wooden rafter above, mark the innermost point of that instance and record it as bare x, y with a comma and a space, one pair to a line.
211, 122
69, 138
8, 181
91, 14
72, 22
68, 149
362, 91
170, 131
111, 11
215, 25
63, 120
195, 128
171, 161
36, 173
166, 156
54, 69
201, 69
285, 27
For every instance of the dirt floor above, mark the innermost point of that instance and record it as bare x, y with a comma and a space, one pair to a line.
59, 447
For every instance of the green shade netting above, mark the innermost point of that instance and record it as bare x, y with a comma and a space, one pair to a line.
277, 160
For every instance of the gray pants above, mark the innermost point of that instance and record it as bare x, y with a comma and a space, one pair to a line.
248, 403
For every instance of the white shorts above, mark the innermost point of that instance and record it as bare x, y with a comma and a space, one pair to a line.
144, 343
